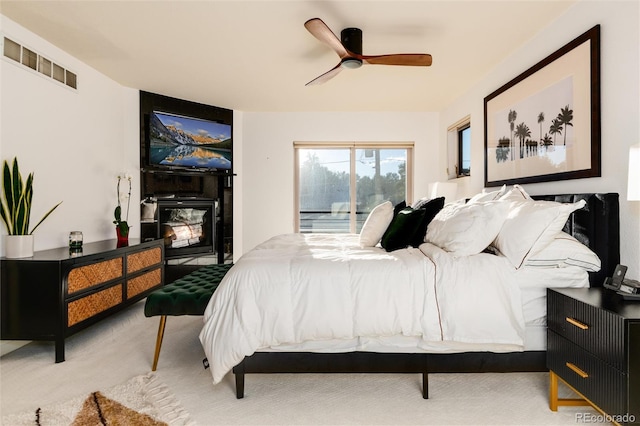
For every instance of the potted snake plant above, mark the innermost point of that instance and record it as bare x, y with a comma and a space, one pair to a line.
15, 210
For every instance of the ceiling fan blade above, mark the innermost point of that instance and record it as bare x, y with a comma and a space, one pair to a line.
321, 31
326, 76
410, 59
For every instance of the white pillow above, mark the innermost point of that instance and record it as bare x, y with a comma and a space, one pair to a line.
377, 222
517, 193
565, 251
419, 203
530, 226
466, 229
488, 196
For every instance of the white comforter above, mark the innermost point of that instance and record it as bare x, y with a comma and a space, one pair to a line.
300, 288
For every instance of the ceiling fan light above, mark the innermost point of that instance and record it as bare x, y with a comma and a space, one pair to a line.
351, 63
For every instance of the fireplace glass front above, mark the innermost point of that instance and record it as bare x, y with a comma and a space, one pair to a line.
187, 226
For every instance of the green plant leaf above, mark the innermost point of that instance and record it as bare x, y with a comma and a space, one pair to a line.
124, 228
16, 184
22, 211
7, 204
17, 204
5, 218
28, 196
8, 188
45, 216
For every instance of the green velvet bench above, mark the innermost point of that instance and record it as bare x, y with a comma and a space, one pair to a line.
188, 295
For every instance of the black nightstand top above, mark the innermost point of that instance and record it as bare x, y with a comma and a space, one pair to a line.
603, 298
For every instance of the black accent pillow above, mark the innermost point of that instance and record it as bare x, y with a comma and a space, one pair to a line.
431, 208
402, 229
401, 205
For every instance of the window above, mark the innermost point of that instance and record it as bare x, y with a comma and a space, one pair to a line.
459, 149
29, 58
337, 185
11, 49
33, 60
71, 79
464, 151
58, 73
44, 66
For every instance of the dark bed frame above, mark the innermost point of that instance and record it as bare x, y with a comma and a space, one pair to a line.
597, 225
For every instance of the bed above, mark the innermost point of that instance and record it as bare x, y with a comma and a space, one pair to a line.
324, 303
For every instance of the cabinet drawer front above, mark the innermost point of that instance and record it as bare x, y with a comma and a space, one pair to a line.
90, 275
86, 307
143, 259
600, 383
144, 282
597, 331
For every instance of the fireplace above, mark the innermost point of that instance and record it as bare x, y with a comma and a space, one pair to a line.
187, 226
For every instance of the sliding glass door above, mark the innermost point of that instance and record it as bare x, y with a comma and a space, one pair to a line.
338, 185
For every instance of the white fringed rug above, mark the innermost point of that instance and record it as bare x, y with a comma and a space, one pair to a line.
140, 401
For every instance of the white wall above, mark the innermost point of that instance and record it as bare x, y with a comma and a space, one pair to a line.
620, 94
78, 142
75, 142
267, 165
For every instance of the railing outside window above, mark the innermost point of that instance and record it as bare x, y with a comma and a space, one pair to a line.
337, 185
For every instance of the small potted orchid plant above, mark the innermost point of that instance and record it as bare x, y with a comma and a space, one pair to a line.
122, 226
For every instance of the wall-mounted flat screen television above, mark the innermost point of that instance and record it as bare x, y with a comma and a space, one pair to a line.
181, 142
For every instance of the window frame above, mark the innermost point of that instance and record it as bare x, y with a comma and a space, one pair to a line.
454, 148
461, 171
352, 146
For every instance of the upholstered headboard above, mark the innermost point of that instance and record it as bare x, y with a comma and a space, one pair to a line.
596, 225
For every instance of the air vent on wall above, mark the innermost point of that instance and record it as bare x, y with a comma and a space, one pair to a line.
39, 63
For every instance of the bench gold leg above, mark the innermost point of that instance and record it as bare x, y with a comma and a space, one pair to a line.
163, 321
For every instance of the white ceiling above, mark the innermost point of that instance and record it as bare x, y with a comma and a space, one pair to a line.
257, 55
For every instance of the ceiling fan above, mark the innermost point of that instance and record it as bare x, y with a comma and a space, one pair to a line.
349, 49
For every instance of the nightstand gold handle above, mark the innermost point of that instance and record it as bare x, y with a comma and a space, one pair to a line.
577, 323
577, 370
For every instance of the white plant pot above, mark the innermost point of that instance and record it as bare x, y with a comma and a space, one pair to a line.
17, 246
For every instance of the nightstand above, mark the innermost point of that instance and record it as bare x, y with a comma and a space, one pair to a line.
593, 346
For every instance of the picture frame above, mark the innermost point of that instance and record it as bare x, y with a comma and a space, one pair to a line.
544, 125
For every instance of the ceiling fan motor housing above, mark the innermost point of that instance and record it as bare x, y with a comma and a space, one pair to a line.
351, 39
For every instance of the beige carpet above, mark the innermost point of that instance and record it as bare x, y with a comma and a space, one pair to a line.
141, 401
120, 348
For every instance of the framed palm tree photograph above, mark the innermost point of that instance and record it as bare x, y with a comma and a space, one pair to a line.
544, 125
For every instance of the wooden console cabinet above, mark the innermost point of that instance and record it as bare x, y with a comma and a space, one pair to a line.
56, 292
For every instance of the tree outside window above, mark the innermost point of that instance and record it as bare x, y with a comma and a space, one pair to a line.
338, 186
